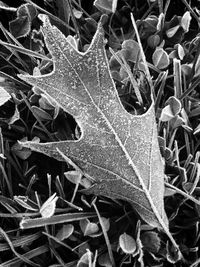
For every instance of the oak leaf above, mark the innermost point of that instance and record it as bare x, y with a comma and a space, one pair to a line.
118, 151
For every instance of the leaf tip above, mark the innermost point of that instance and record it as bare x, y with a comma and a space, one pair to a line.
28, 144
44, 18
103, 19
23, 77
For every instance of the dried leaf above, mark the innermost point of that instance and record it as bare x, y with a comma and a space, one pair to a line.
119, 152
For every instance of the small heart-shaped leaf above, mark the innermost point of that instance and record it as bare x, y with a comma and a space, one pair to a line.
172, 108
48, 208
160, 59
175, 105
127, 243
65, 231
153, 40
88, 228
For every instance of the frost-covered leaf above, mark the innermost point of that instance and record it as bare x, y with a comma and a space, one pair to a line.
117, 151
153, 40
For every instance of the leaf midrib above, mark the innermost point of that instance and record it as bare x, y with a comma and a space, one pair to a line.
117, 137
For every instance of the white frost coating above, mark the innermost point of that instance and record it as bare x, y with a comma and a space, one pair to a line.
118, 150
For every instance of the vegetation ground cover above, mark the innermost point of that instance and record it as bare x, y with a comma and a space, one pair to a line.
46, 216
